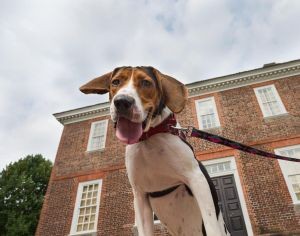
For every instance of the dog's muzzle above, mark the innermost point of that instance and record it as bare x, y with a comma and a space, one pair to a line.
124, 105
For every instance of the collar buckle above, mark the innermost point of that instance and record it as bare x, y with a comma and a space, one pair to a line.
186, 131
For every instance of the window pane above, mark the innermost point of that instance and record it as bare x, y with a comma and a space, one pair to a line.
274, 108
91, 226
227, 165
262, 96
270, 95
94, 201
81, 212
79, 228
93, 209
98, 129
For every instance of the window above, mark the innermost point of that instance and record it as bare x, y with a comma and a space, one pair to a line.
269, 101
291, 170
207, 113
218, 167
86, 209
97, 135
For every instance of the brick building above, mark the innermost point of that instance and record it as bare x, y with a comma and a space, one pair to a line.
89, 193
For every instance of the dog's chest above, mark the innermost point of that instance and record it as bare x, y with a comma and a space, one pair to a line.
158, 163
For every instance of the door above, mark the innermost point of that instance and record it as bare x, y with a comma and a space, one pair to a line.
230, 204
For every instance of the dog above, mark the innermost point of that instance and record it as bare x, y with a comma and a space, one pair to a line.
165, 176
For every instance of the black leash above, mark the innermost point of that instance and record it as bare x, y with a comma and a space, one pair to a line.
193, 132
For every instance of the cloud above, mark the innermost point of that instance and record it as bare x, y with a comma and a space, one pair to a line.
50, 48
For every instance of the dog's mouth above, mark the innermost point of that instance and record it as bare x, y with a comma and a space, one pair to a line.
128, 131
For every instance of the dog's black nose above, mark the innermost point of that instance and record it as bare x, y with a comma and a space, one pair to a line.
123, 103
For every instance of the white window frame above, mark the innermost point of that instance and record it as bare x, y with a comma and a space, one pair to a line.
77, 206
212, 99
92, 130
278, 99
285, 173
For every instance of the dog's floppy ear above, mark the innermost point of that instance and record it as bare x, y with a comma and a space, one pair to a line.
98, 85
174, 92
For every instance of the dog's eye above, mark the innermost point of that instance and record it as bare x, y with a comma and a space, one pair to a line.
146, 83
115, 82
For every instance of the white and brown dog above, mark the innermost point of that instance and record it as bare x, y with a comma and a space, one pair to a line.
165, 176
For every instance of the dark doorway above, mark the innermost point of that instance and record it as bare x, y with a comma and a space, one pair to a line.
230, 204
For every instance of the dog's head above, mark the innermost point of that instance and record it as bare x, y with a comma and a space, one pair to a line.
137, 95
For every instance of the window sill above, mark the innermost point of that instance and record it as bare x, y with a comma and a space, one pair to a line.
84, 234
95, 151
214, 129
276, 116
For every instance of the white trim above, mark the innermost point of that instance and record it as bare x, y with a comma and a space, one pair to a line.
235, 173
278, 100
284, 170
212, 100
89, 147
77, 204
83, 113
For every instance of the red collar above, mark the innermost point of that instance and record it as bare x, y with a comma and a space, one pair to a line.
164, 127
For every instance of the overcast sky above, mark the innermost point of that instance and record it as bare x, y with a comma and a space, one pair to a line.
49, 48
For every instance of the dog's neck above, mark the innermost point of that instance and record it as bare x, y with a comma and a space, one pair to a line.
159, 118
161, 124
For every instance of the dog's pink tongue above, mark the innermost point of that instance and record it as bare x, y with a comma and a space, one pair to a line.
128, 131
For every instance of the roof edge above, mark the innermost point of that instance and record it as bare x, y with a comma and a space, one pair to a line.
268, 72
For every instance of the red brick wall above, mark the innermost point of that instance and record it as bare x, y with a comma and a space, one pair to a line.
267, 198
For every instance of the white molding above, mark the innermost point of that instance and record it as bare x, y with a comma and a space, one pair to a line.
77, 203
83, 113
212, 99
222, 83
235, 173
92, 129
284, 168
278, 99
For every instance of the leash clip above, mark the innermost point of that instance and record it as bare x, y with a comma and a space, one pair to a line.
186, 131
